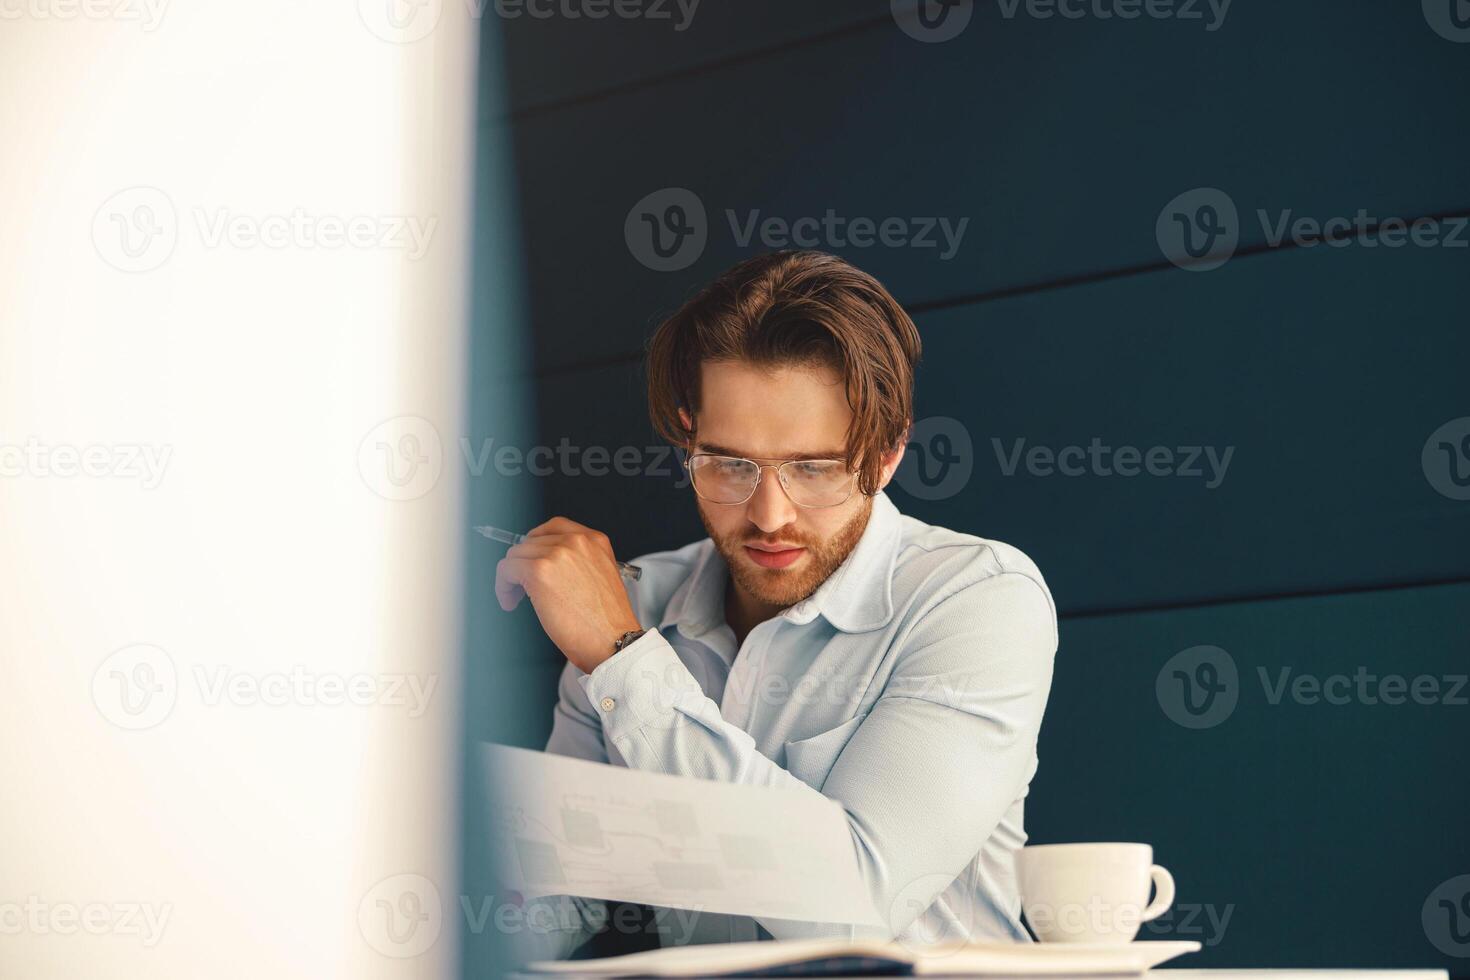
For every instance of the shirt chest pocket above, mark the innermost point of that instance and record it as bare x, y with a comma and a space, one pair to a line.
811, 759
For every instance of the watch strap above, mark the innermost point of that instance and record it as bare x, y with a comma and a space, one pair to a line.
625, 639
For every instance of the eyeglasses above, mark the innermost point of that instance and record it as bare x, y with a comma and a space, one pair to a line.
808, 482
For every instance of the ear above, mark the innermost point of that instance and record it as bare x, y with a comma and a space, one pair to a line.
687, 421
893, 457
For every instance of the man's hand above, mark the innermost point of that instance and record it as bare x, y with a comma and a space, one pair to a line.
572, 578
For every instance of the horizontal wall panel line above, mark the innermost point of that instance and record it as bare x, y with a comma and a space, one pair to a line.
695, 71
1103, 612
1028, 289
1164, 265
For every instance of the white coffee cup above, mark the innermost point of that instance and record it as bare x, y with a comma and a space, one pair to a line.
1091, 893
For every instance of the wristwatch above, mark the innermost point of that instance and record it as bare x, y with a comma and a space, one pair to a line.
625, 639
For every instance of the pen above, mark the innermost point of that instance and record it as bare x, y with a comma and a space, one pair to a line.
630, 572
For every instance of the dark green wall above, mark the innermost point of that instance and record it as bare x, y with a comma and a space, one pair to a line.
1320, 830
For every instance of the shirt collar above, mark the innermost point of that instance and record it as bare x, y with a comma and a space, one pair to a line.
855, 598
698, 604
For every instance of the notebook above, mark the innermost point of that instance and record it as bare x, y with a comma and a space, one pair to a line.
849, 958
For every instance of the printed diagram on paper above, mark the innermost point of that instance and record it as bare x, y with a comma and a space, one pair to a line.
570, 827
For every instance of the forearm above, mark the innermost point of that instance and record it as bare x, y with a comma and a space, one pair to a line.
655, 713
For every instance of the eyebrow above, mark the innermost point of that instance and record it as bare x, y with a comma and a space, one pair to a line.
710, 447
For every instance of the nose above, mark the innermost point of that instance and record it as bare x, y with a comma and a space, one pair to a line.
769, 508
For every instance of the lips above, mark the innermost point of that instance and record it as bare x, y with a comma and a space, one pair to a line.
773, 558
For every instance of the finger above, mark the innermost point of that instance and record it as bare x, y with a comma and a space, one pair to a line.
542, 547
557, 525
508, 589
571, 535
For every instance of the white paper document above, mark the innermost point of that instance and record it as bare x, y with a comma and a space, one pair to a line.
842, 957
565, 826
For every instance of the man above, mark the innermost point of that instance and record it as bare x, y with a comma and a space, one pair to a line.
817, 639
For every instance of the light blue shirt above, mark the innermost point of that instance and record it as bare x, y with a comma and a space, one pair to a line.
909, 688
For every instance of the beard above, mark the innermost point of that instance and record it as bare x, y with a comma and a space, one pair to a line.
786, 587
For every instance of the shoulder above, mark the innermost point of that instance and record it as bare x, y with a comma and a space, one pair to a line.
968, 575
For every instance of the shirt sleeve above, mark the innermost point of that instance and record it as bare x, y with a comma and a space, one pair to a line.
927, 775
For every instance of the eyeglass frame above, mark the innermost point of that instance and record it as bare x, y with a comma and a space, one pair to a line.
759, 466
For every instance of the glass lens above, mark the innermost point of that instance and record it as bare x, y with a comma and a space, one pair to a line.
817, 482
723, 479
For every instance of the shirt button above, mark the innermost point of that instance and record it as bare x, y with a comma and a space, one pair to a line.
608, 704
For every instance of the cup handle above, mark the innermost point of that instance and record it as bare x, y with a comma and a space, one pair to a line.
1163, 893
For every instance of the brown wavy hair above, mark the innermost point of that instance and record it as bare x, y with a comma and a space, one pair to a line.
794, 307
